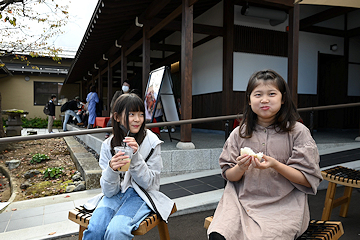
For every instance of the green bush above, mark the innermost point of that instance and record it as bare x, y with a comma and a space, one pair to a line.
38, 123
4, 122
54, 172
38, 157
34, 122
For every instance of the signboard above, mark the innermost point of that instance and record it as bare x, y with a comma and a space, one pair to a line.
159, 88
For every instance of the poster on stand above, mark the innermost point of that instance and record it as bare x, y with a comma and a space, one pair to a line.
159, 89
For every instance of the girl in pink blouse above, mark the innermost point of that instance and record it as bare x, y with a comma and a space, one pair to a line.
267, 198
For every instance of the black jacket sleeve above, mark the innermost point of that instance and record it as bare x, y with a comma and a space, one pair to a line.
52, 108
73, 105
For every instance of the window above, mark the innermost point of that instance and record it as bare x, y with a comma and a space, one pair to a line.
44, 90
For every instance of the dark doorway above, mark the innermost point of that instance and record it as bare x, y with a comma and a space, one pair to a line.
332, 89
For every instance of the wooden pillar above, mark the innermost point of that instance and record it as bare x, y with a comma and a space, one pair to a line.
145, 59
228, 57
186, 69
84, 89
293, 52
104, 113
123, 64
110, 84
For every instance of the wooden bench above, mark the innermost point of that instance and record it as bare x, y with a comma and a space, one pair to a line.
344, 176
82, 217
317, 230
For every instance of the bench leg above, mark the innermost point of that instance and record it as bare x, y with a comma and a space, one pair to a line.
329, 199
81, 231
345, 206
163, 231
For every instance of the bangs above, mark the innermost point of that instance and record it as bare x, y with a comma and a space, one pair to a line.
136, 105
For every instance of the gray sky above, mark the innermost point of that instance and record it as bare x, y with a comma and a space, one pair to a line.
80, 12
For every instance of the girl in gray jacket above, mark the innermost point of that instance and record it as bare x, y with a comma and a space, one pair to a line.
129, 196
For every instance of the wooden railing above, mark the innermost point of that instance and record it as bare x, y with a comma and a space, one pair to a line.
176, 123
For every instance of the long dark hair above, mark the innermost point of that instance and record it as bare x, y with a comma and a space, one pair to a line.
128, 102
285, 118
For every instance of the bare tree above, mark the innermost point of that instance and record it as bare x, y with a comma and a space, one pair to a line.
29, 26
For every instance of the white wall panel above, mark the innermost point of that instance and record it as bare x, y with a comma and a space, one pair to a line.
246, 64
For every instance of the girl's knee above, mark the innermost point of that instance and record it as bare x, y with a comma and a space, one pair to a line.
120, 232
120, 227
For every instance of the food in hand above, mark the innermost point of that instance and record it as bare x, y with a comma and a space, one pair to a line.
250, 152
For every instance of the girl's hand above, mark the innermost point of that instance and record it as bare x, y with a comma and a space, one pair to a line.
131, 142
244, 162
268, 162
118, 161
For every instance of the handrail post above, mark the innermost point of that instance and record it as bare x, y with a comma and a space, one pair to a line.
311, 122
226, 129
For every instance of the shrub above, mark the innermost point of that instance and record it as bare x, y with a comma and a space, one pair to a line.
37, 158
54, 172
4, 122
38, 123
34, 122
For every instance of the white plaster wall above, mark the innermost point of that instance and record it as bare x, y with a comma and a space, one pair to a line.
354, 19
245, 64
354, 69
207, 67
309, 46
207, 59
354, 50
354, 80
335, 23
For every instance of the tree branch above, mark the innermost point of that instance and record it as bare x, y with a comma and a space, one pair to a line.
6, 3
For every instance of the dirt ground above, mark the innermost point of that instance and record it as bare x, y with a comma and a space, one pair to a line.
55, 149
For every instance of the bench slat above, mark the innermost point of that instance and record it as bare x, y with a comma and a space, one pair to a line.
328, 230
82, 218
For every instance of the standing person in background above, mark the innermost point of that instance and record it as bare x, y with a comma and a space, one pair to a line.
124, 89
92, 98
51, 116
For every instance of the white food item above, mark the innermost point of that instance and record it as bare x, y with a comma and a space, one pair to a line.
250, 152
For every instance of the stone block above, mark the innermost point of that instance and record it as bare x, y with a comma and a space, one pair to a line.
166, 159
85, 162
214, 157
190, 160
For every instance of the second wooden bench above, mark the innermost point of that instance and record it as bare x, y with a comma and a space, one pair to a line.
322, 230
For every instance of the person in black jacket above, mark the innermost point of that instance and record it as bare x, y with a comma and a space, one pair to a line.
51, 116
72, 106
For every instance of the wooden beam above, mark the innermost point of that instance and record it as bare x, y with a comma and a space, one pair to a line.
228, 59
123, 65
197, 28
274, 3
110, 84
165, 47
177, 55
325, 31
145, 59
134, 47
174, 14
353, 32
186, 68
154, 8
293, 52
323, 16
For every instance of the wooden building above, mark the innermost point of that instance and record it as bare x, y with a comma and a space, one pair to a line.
216, 45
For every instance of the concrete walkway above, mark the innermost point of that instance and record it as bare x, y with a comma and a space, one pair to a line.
195, 194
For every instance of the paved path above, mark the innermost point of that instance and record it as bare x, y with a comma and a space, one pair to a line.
196, 196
